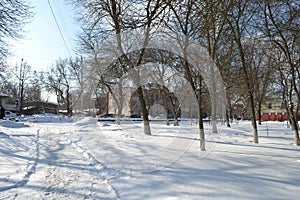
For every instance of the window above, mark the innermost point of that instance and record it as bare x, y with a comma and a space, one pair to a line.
283, 105
269, 105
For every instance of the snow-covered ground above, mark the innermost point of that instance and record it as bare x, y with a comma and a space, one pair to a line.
86, 159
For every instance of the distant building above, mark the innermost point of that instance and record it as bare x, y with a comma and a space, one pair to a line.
154, 97
274, 110
7, 102
39, 107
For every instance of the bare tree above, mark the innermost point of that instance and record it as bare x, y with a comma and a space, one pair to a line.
169, 83
83, 86
64, 79
183, 22
14, 14
112, 16
226, 62
23, 76
281, 22
104, 18
239, 15
257, 54
210, 31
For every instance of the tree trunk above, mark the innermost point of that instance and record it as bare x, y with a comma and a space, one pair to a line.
254, 125
118, 116
227, 118
297, 112
21, 97
201, 128
119, 102
69, 103
201, 125
213, 102
229, 114
147, 129
296, 135
165, 107
107, 102
167, 116
259, 113
176, 114
294, 124
214, 124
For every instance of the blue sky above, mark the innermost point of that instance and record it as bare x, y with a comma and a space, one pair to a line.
43, 44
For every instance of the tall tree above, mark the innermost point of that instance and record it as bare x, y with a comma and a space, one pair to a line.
258, 56
210, 31
239, 15
23, 77
63, 79
281, 23
114, 17
101, 20
183, 22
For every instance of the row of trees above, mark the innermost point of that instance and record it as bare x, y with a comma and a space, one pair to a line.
254, 44
249, 48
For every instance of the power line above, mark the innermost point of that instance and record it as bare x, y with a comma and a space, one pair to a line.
59, 29
61, 16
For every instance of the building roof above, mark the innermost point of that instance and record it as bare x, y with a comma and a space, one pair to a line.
3, 95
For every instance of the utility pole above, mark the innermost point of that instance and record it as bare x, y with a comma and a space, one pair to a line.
21, 88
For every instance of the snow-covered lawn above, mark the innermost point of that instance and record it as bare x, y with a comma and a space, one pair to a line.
86, 159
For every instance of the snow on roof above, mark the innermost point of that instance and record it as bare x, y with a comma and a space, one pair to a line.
12, 124
3, 95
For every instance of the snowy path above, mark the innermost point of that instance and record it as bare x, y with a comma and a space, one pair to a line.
72, 173
61, 169
92, 160
18, 147
117, 144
